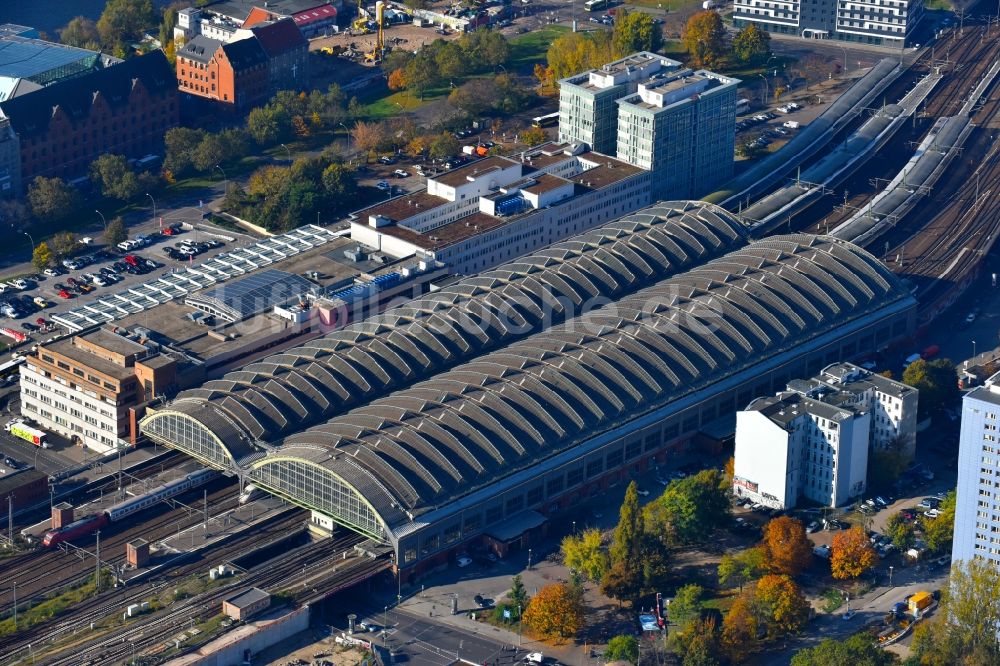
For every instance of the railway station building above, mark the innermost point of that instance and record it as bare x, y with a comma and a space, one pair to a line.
515, 433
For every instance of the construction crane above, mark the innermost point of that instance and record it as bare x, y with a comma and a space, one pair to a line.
378, 52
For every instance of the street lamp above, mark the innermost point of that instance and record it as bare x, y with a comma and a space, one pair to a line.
764, 76
102, 219
529, 558
973, 350
890, 575
226, 177
287, 151
348, 132
32, 242
844, 49
154, 206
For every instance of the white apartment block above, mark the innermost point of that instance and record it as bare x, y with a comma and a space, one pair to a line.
881, 22
681, 126
192, 21
497, 208
977, 502
85, 387
813, 439
653, 113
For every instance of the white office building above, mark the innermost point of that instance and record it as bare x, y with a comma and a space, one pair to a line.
498, 208
977, 504
882, 22
812, 440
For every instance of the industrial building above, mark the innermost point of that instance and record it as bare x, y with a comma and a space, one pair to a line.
812, 440
497, 208
652, 112
977, 502
229, 20
881, 22
535, 426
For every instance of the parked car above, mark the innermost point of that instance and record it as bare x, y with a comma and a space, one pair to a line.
383, 185
400, 173
463, 561
812, 527
53, 272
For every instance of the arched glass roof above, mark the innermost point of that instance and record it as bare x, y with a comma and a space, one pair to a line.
504, 411
310, 383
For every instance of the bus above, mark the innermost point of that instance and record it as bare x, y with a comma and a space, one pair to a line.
548, 120
595, 5
8, 370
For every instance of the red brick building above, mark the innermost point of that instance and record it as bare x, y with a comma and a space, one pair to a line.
233, 74
123, 109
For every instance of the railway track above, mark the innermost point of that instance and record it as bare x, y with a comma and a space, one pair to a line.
42, 571
116, 600
951, 92
144, 638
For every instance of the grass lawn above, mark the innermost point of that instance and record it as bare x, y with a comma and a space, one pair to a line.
938, 4
385, 104
532, 47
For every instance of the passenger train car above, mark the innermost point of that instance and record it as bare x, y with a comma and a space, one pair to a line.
114, 513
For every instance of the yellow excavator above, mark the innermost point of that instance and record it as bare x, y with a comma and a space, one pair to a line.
376, 54
360, 25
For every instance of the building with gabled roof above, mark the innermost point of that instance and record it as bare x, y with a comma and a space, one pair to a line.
122, 109
233, 74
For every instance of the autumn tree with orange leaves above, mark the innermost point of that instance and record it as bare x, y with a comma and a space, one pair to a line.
851, 554
555, 612
788, 549
771, 607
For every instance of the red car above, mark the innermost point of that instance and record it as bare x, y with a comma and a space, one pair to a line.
167, 231
72, 281
65, 294
129, 259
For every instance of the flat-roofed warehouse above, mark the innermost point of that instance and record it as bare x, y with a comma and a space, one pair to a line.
534, 427
324, 377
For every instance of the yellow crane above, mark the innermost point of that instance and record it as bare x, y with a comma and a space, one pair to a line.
378, 51
360, 25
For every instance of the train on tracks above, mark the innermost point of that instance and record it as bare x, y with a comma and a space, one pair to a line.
116, 512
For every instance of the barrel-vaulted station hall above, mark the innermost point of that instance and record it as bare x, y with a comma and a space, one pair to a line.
480, 410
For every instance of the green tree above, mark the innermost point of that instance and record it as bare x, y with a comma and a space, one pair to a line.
41, 257
937, 382
744, 566
622, 648
181, 144
627, 538
475, 97
964, 630
451, 61
857, 650
636, 31
124, 21
751, 44
116, 231
698, 645
168, 23
421, 74
210, 151
114, 177
938, 532
444, 146
691, 508
901, 531
267, 125
64, 244
780, 604
585, 553
82, 33
339, 181
51, 199
705, 39
686, 605
518, 595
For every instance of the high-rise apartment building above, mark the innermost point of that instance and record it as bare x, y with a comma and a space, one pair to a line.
681, 126
651, 112
882, 22
587, 110
977, 504
812, 440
